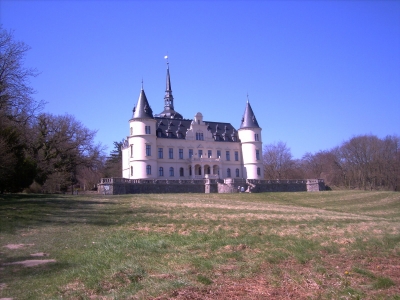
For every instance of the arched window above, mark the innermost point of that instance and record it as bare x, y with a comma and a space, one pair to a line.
132, 150
237, 172
148, 170
171, 171
181, 172
258, 171
228, 172
131, 171
161, 171
131, 130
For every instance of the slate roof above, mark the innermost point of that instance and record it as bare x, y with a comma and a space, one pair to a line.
142, 110
176, 129
249, 119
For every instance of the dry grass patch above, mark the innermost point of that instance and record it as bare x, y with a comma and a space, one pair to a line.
333, 245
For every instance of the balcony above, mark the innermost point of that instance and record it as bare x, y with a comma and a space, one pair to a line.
204, 159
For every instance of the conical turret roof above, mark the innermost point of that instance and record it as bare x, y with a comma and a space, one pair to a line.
249, 119
142, 109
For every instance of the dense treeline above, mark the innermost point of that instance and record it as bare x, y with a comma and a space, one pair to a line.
363, 162
41, 152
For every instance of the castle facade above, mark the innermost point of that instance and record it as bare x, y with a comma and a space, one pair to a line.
167, 146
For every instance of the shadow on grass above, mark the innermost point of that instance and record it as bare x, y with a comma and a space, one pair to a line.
23, 211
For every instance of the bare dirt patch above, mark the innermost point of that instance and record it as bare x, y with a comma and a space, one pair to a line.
31, 262
17, 246
39, 254
292, 280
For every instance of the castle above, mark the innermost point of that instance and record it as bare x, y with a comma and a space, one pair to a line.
165, 153
167, 146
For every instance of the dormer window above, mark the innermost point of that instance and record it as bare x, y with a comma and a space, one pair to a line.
199, 136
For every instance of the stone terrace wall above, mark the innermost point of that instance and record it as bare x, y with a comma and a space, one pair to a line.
115, 186
286, 185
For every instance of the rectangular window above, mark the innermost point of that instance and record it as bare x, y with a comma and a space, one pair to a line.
180, 153
218, 153
236, 156
199, 136
190, 153
132, 150
171, 153
258, 154
200, 153
147, 128
148, 170
148, 150
160, 153
256, 138
228, 156
209, 153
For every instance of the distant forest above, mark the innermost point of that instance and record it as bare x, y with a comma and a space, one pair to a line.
363, 162
45, 153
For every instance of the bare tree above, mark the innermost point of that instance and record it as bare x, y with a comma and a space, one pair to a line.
16, 101
326, 165
362, 155
278, 163
62, 147
364, 162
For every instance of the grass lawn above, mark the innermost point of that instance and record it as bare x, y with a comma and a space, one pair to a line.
322, 245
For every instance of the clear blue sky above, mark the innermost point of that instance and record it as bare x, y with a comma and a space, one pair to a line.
316, 72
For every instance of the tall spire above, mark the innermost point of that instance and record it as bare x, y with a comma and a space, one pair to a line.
169, 111
249, 119
168, 99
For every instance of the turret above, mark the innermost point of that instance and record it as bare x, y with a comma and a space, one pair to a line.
139, 158
250, 137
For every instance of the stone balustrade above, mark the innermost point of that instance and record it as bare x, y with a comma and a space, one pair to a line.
211, 184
